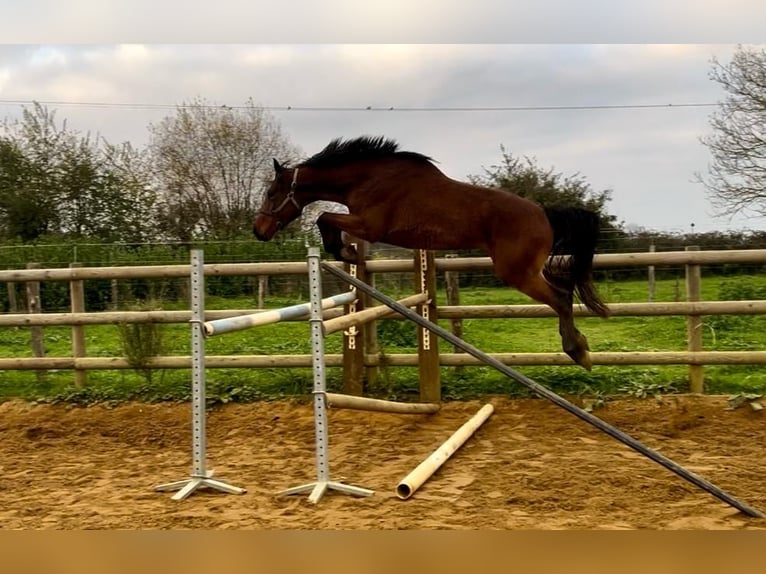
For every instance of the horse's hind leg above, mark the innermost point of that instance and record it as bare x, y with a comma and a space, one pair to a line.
559, 298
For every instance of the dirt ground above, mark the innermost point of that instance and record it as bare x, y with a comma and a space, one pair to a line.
531, 466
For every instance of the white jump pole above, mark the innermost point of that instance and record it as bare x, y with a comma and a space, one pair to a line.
200, 476
229, 324
414, 480
323, 482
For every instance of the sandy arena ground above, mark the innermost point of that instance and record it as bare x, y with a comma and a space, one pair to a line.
531, 466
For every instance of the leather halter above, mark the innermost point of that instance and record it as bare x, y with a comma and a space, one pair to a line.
289, 198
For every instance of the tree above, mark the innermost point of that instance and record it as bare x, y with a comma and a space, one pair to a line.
106, 193
736, 178
31, 152
133, 200
54, 181
522, 176
20, 214
211, 163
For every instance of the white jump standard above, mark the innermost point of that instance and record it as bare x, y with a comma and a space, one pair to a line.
200, 476
323, 483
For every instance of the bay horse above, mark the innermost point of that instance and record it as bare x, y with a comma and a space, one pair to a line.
402, 198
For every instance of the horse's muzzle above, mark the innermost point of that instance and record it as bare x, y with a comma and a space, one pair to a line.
264, 227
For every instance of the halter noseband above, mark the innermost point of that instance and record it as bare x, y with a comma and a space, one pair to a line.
289, 198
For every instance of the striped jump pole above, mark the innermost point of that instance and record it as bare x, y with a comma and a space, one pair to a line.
546, 393
230, 324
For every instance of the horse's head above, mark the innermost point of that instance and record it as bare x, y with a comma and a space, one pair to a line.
279, 205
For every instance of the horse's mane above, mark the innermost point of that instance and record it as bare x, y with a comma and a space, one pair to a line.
339, 152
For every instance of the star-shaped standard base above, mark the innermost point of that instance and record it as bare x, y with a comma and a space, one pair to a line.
317, 490
189, 485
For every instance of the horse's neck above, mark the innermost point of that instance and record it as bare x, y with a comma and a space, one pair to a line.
336, 184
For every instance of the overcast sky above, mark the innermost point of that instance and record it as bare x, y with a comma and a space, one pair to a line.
611, 134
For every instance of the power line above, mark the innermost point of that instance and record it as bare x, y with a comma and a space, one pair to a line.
288, 108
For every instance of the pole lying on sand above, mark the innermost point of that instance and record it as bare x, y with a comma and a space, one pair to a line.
550, 395
379, 405
415, 479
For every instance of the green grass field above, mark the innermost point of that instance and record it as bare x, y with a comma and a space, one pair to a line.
490, 335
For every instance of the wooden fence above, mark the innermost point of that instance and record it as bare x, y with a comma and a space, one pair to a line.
362, 361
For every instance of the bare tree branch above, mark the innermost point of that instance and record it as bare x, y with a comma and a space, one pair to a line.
736, 178
211, 163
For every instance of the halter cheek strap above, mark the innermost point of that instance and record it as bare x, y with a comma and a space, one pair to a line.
290, 197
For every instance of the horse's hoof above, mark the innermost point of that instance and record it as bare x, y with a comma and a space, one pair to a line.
348, 254
583, 359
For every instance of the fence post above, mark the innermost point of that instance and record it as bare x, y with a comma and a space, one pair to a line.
694, 324
428, 345
34, 305
77, 301
13, 303
651, 276
263, 290
370, 333
353, 338
452, 288
115, 294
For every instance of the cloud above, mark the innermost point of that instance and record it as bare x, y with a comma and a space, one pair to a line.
440, 21
643, 154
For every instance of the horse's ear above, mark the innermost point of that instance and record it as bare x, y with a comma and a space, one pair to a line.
278, 166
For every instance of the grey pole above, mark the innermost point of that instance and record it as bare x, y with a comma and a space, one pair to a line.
200, 476
323, 482
550, 395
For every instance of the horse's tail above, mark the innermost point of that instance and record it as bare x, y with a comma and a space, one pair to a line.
575, 233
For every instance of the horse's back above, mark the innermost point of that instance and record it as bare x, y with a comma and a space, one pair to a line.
426, 209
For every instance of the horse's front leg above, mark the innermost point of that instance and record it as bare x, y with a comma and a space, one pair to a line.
331, 228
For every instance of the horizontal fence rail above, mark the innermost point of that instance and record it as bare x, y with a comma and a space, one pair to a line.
616, 310
445, 312
623, 358
153, 271
604, 261
129, 317
689, 357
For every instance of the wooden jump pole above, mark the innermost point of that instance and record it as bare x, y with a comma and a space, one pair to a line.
355, 337
551, 396
429, 374
379, 405
370, 314
414, 480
